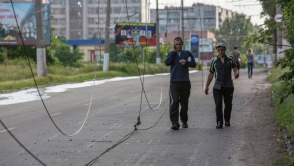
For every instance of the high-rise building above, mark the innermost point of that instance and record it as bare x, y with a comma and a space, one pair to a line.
85, 19
197, 17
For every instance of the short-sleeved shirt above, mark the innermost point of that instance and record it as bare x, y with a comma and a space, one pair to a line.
223, 71
250, 58
236, 55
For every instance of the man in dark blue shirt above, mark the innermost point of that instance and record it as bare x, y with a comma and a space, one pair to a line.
179, 61
221, 66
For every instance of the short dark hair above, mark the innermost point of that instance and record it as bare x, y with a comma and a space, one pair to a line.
178, 38
235, 47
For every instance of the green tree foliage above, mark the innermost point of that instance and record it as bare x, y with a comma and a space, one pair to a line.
66, 57
120, 54
233, 31
265, 36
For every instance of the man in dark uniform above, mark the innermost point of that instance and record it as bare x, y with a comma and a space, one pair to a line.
179, 61
221, 67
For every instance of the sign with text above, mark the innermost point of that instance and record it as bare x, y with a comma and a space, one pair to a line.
135, 34
194, 40
25, 18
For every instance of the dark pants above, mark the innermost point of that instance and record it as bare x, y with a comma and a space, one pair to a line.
225, 94
238, 64
179, 94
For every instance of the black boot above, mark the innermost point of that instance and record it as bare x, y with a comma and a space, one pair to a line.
219, 125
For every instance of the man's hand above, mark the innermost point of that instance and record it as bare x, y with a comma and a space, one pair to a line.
183, 61
206, 90
236, 75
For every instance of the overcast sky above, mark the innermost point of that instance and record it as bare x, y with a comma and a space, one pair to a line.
248, 7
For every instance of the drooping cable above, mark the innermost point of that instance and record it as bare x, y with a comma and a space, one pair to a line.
35, 82
127, 136
30, 153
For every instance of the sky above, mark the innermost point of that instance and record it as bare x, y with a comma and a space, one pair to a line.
248, 7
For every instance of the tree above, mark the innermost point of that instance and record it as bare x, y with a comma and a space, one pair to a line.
66, 57
233, 31
265, 36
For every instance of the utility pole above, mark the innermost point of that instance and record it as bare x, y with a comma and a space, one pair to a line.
106, 45
158, 60
182, 21
41, 54
279, 36
5, 56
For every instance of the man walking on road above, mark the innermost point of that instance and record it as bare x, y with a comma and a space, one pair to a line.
221, 66
237, 57
179, 61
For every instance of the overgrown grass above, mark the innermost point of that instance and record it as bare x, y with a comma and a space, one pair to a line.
284, 113
17, 75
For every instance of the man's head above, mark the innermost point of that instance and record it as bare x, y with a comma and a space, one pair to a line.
221, 48
235, 47
178, 43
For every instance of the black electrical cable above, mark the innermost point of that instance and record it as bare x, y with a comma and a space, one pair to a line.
35, 82
127, 136
30, 153
276, 44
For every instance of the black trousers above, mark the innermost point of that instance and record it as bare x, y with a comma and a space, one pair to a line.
226, 95
179, 94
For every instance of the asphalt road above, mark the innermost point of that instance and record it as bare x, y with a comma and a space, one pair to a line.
113, 114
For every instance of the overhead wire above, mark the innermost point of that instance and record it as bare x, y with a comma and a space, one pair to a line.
127, 136
6, 128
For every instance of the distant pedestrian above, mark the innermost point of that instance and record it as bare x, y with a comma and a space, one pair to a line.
179, 61
237, 57
221, 67
250, 62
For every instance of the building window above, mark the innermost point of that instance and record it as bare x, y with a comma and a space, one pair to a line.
116, 9
91, 21
61, 11
54, 21
91, 10
62, 21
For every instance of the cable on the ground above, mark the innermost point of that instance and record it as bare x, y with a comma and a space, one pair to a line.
30, 153
127, 136
35, 82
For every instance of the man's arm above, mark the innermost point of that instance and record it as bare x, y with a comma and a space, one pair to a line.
169, 58
236, 72
209, 79
191, 63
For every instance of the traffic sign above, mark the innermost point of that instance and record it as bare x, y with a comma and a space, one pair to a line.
278, 18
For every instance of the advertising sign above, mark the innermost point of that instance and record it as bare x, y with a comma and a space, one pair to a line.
135, 34
194, 40
25, 17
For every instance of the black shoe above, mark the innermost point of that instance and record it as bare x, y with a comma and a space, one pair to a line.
175, 126
227, 123
185, 125
219, 125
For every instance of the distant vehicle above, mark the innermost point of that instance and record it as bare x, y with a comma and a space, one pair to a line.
262, 59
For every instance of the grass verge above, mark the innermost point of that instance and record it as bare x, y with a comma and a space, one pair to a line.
284, 113
18, 75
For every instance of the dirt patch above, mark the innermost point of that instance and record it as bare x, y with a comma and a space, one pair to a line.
264, 139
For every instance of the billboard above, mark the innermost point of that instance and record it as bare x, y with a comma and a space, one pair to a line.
194, 40
25, 15
205, 45
135, 34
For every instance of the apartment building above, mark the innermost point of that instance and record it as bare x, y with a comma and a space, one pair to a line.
197, 17
86, 19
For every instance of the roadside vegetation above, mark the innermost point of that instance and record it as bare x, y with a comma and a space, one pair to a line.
17, 75
284, 113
